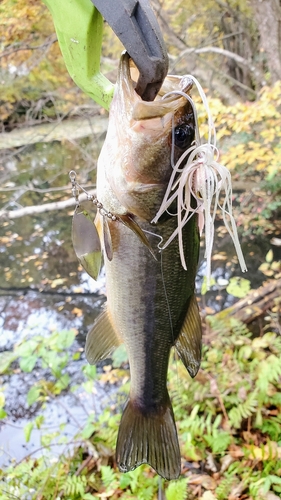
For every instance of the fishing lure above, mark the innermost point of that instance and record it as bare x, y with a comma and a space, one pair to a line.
203, 179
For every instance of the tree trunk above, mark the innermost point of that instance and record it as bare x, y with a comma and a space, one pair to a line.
267, 14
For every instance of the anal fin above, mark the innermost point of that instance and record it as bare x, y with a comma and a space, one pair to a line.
101, 340
149, 438
189, 341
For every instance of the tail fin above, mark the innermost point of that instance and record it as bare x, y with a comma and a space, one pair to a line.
148, 438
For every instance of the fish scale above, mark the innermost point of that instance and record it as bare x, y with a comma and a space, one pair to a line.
153, 294
150, 297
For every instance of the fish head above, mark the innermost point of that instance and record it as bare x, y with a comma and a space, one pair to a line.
143, 143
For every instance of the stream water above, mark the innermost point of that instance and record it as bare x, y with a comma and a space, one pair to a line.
43, 289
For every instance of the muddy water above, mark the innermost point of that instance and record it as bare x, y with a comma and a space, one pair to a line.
43, 289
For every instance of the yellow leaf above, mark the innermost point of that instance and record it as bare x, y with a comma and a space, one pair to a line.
269, 256
78, 312
262, 453
57, 282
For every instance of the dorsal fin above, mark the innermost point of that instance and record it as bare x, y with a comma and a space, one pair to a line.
189, 341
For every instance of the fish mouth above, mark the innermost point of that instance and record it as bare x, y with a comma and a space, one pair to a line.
165, 103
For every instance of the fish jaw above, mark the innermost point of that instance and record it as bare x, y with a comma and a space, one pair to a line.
135, 179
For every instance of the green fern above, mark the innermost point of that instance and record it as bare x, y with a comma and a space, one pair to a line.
108, 476
269, 372
74, 486
272, 427
243, 410
225, 487
219, 441
239, 328
255, 486
146, 494
177, 490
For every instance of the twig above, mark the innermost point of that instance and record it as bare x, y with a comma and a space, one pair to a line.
46, 207
66, 410
11, 495
26, 457
223, 52
49, 41
83, 465
216, 392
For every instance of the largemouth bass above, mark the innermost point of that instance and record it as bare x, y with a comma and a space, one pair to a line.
151, 305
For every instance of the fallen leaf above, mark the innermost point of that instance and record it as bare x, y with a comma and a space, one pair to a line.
106, 494
276, 242
226, 461
268, 451
78, 312
203, 480
208, 495
236, 451
269, 496
57, 282
237, 490
219, 256
210, 463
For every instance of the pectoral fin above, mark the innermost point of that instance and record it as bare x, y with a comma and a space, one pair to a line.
131, 224
107, 240
101, 340
188, 343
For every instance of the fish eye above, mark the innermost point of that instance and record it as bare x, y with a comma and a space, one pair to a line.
183, 136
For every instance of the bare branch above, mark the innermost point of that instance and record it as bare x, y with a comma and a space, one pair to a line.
48, 42
226, 53
46, 207
236, 82
218, 50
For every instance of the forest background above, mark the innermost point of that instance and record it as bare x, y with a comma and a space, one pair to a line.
228, 418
